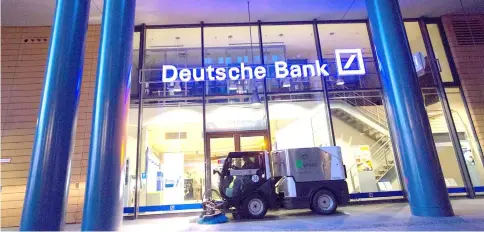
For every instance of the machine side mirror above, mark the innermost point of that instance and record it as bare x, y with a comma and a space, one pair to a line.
216, 172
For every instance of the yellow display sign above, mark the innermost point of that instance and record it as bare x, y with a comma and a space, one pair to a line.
363, 159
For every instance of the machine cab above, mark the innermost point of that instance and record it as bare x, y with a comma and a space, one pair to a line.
242, 174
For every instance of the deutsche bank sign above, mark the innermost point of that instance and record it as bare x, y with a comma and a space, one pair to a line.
346, 67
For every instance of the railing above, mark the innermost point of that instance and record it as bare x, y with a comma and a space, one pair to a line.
381, 155
351, 173
381, 150
359, 101
379, 141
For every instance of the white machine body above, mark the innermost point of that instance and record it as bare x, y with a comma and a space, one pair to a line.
302, 165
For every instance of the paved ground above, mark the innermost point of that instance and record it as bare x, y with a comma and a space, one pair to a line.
375, 217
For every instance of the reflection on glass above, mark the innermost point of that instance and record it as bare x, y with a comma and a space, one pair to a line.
469, 143
438, 48
443, 143
298, 120
361, 130
348, 36
419, 53
227, 47
295, 45
172, 163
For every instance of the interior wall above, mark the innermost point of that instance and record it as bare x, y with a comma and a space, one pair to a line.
305, 119
448, 163
347, 138
415, 39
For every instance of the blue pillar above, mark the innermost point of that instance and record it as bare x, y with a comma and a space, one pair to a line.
426, 190
103, 205
48, 183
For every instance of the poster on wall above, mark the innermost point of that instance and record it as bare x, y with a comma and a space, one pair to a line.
174, 169
153, 168
471, 163
466, 150
188, 189
364, 167
363, 158
159, 181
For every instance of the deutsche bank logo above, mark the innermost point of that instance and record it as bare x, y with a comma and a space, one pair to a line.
350, 62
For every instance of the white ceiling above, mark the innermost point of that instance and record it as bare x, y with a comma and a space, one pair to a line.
40, 12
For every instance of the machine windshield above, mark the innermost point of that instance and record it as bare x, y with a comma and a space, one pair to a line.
242, 174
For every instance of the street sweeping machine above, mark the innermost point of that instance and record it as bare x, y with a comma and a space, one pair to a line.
253, 182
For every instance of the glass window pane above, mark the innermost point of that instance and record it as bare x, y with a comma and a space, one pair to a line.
219, 149
302, 114
469, 143
252, 143
179, 47
172, 162
229, 46
443, 143
419, 53
235, 113
440, 54
295, 45
348, 36
131, 153
361, 130
129, 189
415, 39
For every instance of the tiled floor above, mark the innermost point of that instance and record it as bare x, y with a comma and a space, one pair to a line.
375, 217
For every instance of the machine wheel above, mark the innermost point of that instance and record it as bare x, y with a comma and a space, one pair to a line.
324, 202
254, 207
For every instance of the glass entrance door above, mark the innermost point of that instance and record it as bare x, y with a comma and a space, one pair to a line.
221, 143
253, 143
219, 148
